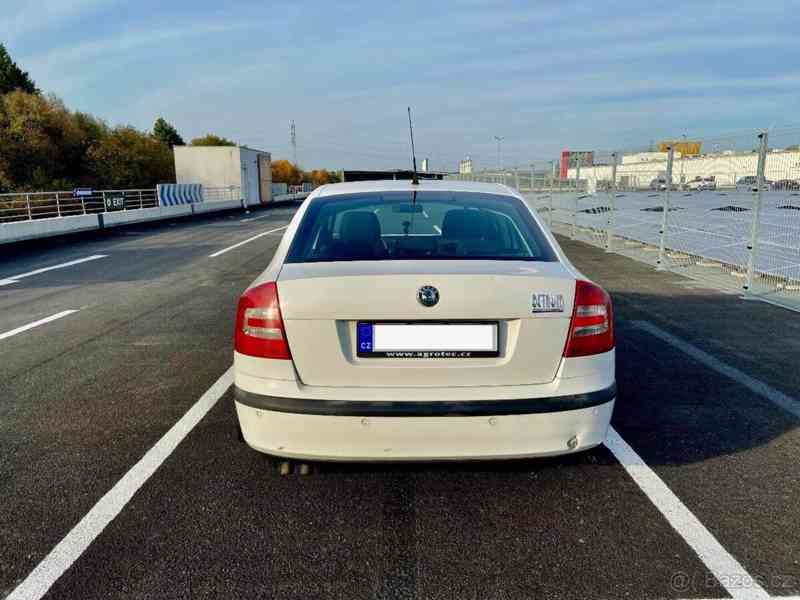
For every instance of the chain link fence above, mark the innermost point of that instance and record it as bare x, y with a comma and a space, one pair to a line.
729, 217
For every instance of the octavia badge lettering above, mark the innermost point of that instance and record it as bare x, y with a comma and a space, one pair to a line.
547, 303
428, 295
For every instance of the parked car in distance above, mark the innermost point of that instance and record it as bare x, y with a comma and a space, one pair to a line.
430, 321
699, 184
748, 184
786, 184
659, 184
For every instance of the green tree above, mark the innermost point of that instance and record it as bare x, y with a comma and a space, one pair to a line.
212, 140
167, 134
41, 142
128, 158
12, 77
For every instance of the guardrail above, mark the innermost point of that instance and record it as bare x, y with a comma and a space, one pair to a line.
47, 205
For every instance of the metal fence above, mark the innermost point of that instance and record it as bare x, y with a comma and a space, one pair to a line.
46, 205
222, 194
729, 218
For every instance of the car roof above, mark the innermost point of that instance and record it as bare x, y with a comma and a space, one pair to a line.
405, 185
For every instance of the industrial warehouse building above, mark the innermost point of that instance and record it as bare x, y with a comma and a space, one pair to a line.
636, 171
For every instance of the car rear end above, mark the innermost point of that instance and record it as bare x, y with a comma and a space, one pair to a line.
422, 341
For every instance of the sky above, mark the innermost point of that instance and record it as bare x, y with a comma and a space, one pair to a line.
544, 76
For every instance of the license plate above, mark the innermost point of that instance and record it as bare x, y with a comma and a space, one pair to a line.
426, 340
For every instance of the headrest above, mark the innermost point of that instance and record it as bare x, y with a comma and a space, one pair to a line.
462, 224
360, 226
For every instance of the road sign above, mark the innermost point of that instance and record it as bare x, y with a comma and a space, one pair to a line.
114, 200
82, 192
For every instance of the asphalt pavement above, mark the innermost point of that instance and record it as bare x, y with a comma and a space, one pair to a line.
85, 396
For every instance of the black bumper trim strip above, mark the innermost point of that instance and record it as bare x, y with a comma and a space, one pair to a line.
466, 408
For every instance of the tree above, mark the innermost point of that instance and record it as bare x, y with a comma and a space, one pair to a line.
129, 158
211, 140
12, 77
322, 176
285, 172
41, 142
167, 134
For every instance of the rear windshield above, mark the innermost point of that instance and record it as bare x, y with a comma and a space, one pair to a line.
432, 226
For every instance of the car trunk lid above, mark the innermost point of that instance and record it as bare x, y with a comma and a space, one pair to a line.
322, 304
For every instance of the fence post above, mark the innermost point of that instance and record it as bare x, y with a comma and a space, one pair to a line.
611, 221
58, 205
755, 226
550, 212
662, 245
533, 176
28, 204
141, 203
575, 207
574, 228
516, 178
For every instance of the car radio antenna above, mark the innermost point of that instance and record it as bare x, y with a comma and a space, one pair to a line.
415, 179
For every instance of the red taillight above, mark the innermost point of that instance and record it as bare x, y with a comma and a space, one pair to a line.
259, 325
592, 328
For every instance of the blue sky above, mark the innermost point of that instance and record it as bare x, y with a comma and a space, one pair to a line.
545, 76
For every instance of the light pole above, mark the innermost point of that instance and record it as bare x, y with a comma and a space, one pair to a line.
499, 141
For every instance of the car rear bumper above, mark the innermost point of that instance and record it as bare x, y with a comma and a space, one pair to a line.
404, 430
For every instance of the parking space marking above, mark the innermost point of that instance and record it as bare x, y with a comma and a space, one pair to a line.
15, 278
725, 568
248, 219
75, 543
247, 241
50, 319
784, 401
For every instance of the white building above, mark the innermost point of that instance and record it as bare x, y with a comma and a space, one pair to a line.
638, 170
220, 167
465, 166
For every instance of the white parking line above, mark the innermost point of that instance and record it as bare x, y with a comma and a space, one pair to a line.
69, 549
14, 278
784, 401
248, 219
725, 568
51, 318
248, 240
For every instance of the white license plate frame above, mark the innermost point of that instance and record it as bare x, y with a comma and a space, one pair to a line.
427, 339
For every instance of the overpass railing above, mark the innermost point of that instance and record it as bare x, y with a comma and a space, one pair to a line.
25, 206
28, 206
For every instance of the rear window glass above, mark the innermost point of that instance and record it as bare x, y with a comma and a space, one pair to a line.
432, 226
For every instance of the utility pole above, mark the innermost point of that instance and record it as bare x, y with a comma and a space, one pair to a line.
293, 140
499, 141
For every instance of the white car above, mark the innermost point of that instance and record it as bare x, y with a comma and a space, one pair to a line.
700, 184
422, 322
